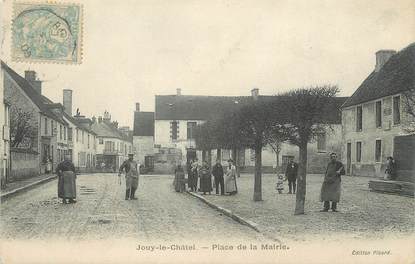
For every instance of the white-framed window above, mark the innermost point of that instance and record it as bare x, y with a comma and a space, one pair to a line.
358, 151
378, 150
378, 114
396, 110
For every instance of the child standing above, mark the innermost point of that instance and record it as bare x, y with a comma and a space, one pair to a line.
280, 183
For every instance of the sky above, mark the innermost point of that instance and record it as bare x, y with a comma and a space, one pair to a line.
134, 50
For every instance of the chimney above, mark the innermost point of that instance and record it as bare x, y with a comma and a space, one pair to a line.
67, 101
107, 116
179, 91
137, 107
99, 119
382, 56
30, 76
255, 93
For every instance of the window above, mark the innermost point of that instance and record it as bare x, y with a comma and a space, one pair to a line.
52, 132
358, 151
378, 150
82, 159
191, 129
359, 118
101, 141
88, 140
82, 139
107, 145
379, 114
321, 142
70, 134
174, 130
60, 131
46, 126
64, 133
396, 110
77, 135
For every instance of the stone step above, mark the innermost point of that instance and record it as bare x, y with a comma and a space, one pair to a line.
396, 187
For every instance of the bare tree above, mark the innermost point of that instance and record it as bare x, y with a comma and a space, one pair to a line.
305, 112
22, 128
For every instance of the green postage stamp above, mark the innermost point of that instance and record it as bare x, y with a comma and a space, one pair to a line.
47, 32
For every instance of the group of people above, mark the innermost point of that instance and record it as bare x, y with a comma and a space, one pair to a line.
199, 178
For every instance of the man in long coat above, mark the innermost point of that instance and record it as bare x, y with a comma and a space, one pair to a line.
291, 175
330, 190
66, 180
217, 172
131, 177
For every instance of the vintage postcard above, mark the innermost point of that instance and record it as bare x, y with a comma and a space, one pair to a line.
222, 131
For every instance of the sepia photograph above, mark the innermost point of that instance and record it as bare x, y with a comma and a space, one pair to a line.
223, 131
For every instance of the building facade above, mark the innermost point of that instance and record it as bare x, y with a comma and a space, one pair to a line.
5, 134
143, 138
44, 140
177, 116
375, 115
113, 145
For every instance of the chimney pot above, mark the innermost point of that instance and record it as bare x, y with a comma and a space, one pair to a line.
30, 75
137, 107
255, 93
178, 91
382, 56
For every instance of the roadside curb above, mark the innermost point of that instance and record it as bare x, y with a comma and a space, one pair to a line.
227, 212
29, 186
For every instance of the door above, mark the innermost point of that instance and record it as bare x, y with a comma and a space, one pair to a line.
349, 158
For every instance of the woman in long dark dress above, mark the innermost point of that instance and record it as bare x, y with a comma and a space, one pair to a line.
205, 179
179, 179
66, 180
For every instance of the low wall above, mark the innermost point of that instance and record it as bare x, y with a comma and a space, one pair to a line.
24, 164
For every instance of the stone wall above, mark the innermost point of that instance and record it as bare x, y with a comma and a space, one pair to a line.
25, 164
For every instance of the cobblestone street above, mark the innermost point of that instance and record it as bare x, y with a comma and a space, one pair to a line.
102, 213
362, 214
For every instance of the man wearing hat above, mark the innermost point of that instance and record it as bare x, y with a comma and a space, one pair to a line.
131, 176
330, 190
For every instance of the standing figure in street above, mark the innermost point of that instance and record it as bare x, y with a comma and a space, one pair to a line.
205, 178
291, 175
280, 183
217, 172
230, 179
390, 171
179, 179
131, 177
195, 173
190, 175
330, 190
66, 180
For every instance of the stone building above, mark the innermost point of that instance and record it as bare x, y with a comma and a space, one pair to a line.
113, 144
143, 137
5, 133
46, 139
176, 116
375, 116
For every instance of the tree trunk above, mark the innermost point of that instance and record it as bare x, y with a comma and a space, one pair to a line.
277, 169
258, 172
203, 155
235, 158
209, 158
301, 179
219, 155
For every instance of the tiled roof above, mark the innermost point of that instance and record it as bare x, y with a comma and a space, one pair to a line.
27, 88
143, 124
194, 107
103, 129
78, 124
396, 76
189, 107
